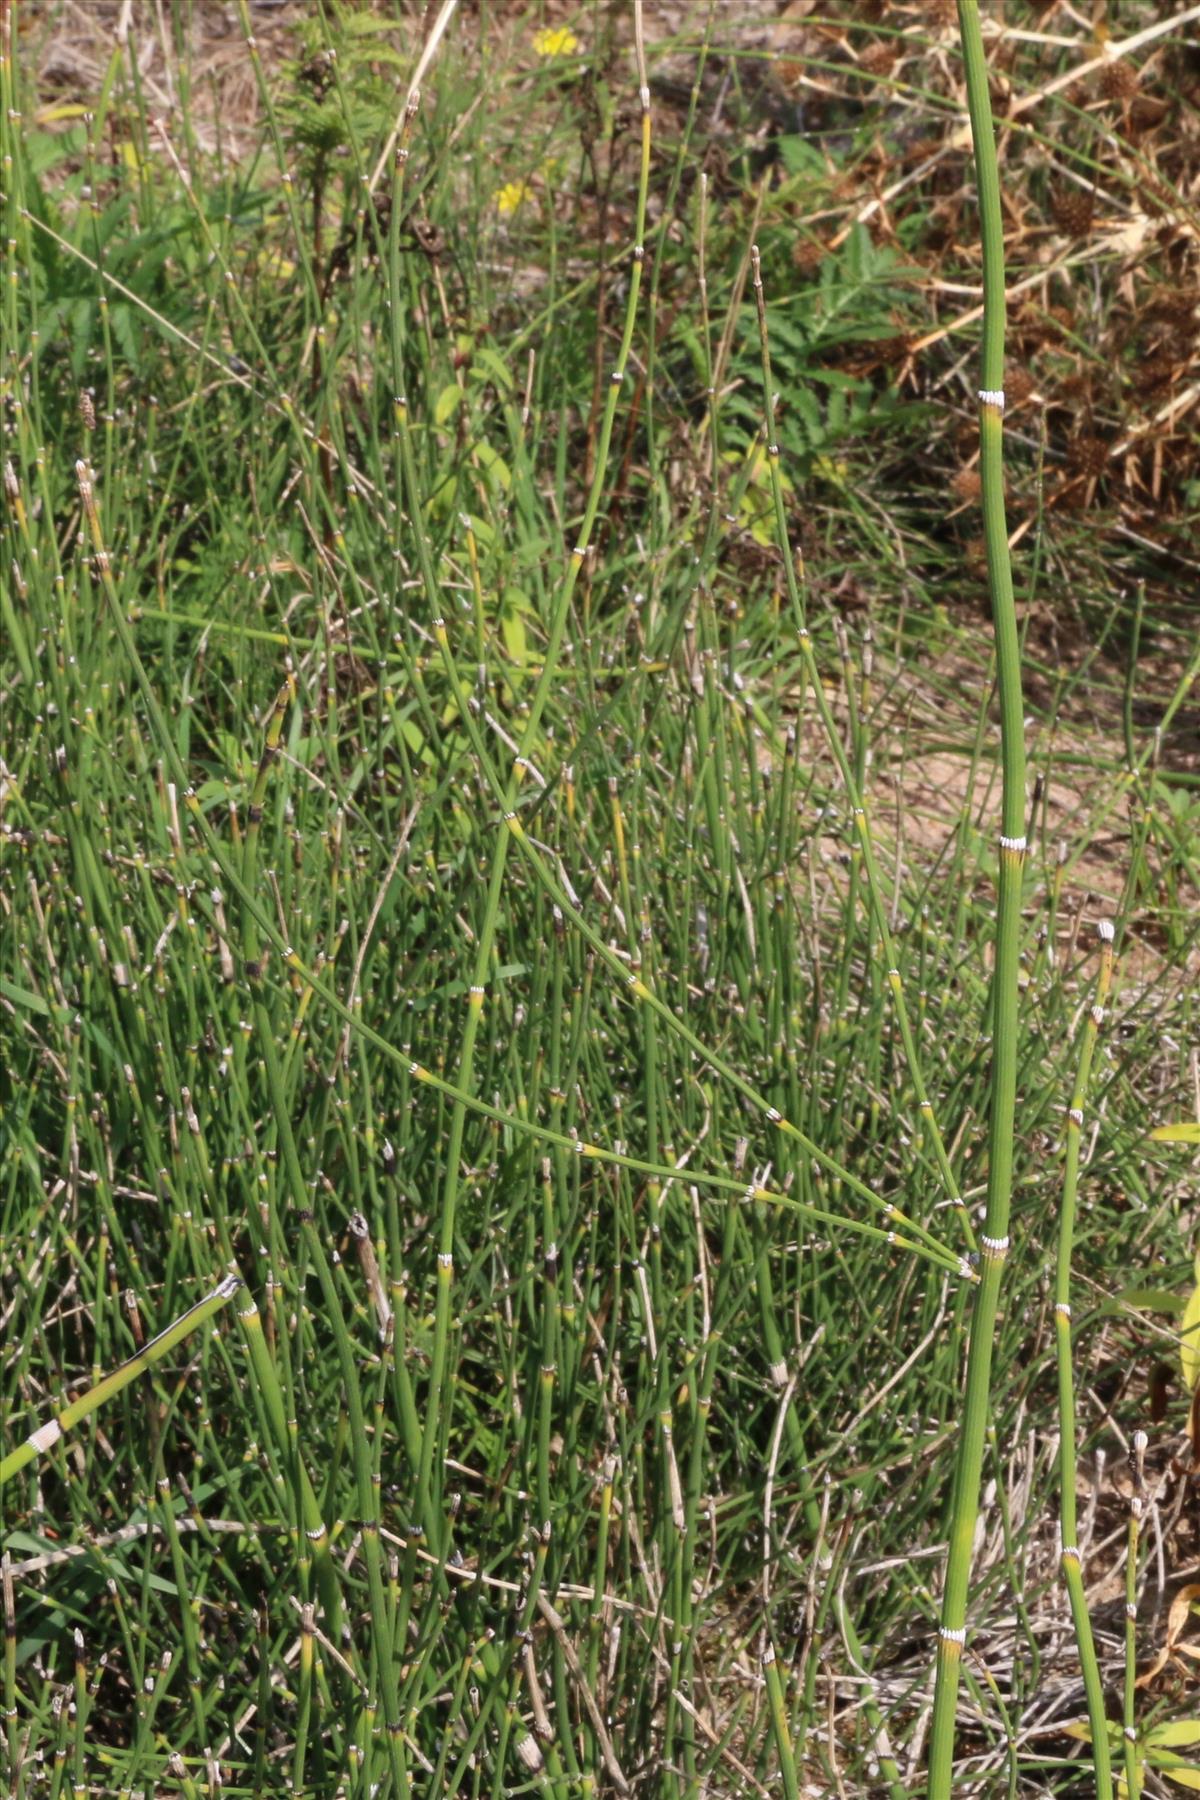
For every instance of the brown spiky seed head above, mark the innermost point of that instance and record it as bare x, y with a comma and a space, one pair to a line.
1119, 81
1072, 210
1018, 385
878, 59
967, 485
975, 556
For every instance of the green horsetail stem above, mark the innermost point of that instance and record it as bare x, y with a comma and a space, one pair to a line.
1005, 993
780, 1730
1072, 1571
60, 1423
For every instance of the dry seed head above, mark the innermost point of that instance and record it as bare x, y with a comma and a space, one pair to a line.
1072, 210
967, 484
879, 58
1018, 385
1119, 81
807, 254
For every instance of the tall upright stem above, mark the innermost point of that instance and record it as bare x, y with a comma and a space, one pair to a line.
1004, 1000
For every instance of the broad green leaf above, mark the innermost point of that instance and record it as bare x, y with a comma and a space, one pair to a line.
1187, 1132
494, 467
1144, 1300
447, 403
1174, 1736
512, 628
22, 997
1189, 1341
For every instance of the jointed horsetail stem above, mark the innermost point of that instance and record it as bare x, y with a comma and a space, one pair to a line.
994, 1239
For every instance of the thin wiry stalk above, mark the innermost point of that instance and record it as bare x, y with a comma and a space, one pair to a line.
11, 1716
1071, 1569
1005, 980
1129, 1735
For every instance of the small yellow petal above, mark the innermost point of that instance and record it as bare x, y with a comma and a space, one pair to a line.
555, 42
511, 196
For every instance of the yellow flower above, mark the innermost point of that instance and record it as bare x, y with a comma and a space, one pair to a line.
512, 195
560, 42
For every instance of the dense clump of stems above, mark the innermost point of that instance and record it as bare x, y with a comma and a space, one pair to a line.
507, 960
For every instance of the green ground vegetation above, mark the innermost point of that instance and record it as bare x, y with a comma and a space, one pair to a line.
500, 797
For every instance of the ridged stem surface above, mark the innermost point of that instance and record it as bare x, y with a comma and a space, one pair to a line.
1005, 981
